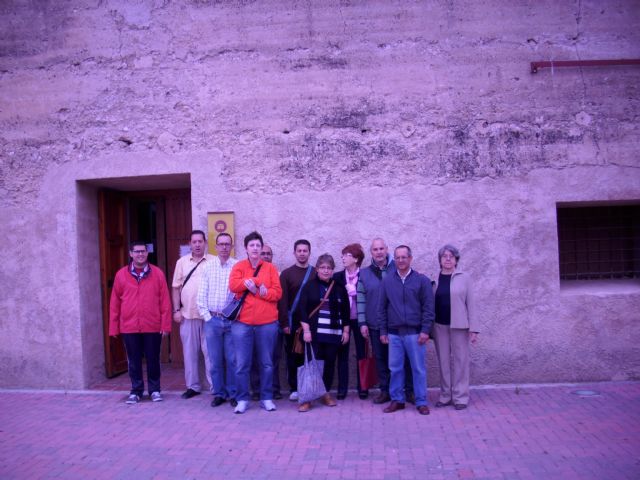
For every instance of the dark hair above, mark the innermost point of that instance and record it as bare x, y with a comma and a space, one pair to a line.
253, 236
197, 232
356, 250
224, 234
403, 246
137, 243
326, 258
302, 241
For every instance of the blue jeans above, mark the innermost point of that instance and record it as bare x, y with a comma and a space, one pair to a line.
399, 345
220, 348
264, 337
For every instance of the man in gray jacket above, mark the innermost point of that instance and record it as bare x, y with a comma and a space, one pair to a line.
406, 313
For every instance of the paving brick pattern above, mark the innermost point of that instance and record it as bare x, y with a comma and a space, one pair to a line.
533, 432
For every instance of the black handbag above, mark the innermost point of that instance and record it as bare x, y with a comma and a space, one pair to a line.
232, 309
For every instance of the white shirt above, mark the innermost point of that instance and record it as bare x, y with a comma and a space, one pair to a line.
213, 293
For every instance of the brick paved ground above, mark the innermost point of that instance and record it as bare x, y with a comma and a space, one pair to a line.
534, 432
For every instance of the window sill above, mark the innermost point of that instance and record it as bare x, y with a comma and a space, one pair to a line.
600, 287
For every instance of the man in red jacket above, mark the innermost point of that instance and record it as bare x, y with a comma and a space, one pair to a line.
140, 310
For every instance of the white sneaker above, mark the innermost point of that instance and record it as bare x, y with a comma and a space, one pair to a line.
241, 407
156, 397
293, 397
268, 405
132, 399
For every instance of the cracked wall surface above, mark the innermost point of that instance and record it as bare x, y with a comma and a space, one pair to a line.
336, 121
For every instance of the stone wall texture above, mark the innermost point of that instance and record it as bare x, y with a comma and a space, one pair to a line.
337, 121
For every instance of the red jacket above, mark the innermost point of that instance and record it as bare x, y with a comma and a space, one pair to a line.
256, 310
142, 307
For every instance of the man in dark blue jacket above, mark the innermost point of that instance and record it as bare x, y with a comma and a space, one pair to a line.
406, 313
369, 287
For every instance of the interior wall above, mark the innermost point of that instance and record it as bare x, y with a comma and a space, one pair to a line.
89, 288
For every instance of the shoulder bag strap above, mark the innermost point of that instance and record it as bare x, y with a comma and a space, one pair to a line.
246, 292
326, 295
191, 273
294, 305
188, 277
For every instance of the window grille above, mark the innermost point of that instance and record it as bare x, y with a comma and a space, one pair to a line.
599, 242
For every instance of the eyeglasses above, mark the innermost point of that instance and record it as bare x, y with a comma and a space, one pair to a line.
139, 252
266, 254
324, 267
225, 245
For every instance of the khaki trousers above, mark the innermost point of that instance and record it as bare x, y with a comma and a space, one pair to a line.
193, 341
452, 347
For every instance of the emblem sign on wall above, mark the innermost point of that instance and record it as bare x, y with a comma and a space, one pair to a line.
217, 223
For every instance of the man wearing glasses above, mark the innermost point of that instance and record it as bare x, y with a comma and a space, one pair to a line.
140, 311
184, 293
213, 295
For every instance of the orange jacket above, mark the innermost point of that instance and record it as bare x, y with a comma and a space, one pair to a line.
139, 307
256, 310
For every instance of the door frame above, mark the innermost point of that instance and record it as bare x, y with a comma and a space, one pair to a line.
175, 202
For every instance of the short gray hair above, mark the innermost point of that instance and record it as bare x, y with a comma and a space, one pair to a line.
450, 248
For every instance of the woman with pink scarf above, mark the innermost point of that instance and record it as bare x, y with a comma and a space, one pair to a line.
352, 257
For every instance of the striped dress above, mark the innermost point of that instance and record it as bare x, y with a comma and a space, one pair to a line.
324, 332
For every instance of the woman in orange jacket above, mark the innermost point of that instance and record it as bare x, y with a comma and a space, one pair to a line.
257, 322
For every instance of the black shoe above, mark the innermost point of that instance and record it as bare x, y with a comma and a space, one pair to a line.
382, 398
217, 401
277, 396
459, 406
341, 396
233, 402
363, 395
189, 394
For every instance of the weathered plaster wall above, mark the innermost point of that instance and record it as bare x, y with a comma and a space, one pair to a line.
418, 121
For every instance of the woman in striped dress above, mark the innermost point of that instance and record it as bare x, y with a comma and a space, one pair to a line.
325, 321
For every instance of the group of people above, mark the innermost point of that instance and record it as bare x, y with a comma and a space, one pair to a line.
387, 306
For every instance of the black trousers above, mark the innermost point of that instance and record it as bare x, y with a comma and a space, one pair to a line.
294, 360
137, 345
343, 358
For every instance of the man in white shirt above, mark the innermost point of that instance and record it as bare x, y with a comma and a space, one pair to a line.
213, 295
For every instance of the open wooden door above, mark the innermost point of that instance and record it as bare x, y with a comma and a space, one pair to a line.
178, 228
112, 214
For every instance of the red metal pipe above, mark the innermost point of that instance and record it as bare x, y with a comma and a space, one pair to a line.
535, 66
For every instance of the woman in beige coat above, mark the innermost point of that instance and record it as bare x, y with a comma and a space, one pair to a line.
455, 327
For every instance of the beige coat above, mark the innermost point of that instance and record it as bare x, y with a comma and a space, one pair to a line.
463, 307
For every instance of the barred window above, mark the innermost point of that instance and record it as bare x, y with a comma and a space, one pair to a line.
599, 242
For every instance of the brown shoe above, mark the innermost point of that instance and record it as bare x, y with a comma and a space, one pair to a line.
328, 400
382, 398
394, 406
304, 407
423, 410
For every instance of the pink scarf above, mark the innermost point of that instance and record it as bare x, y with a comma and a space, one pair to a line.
352, 290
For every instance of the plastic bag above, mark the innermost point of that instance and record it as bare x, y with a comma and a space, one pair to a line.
310, 384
